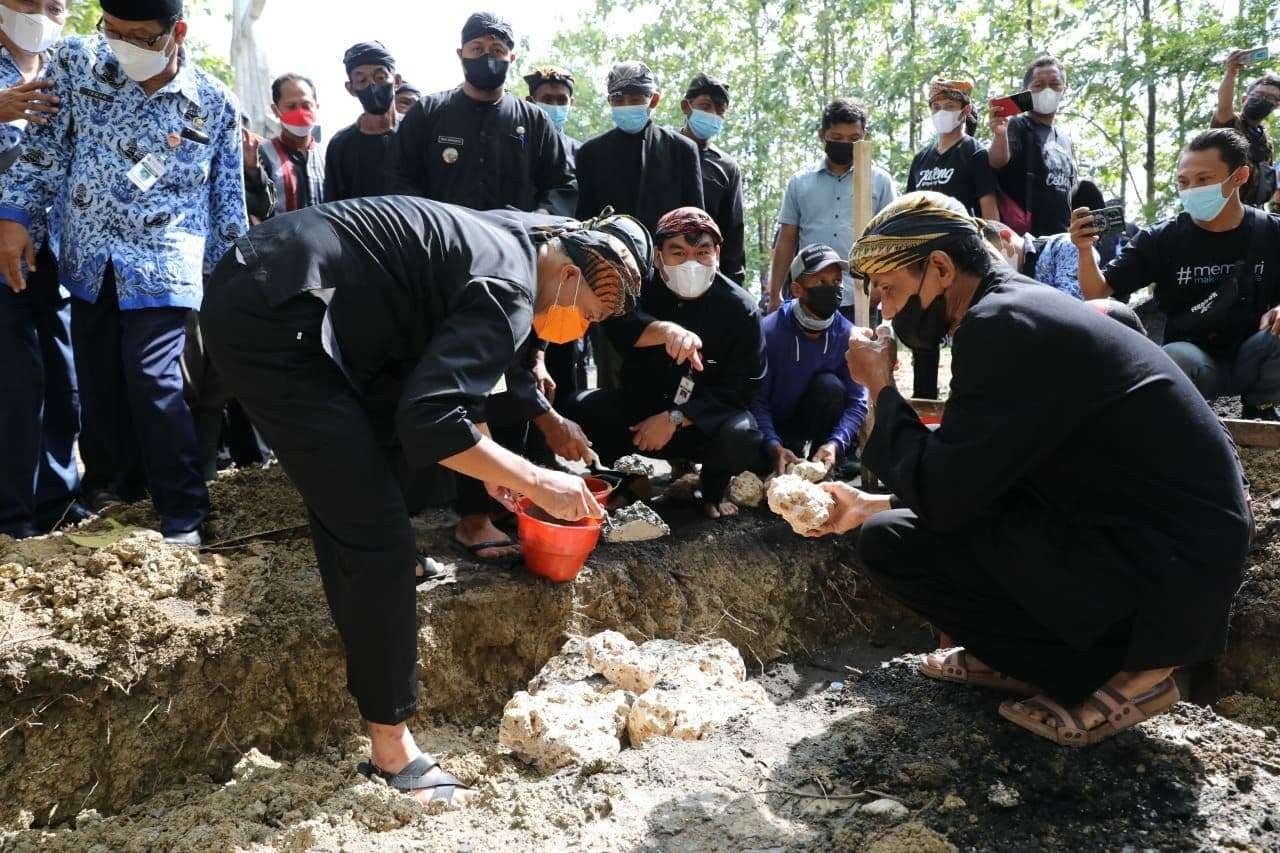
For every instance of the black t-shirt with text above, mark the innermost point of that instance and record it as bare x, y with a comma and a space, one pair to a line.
1187, 264
962, 172
1053, 173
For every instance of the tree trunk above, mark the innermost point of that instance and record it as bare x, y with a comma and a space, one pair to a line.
913, 126
1149, 78
1124, 107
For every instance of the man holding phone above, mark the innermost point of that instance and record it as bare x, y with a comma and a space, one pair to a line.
1216, 269
1032, 156
1260, 100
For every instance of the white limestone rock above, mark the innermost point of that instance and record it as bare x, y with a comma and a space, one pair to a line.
814, 472
802, 504
565, 724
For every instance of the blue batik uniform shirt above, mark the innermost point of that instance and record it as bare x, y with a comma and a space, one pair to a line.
161, 241
12, 133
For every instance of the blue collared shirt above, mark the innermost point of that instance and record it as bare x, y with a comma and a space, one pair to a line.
10, 76
820, 204
12, 134
1058, 264
163, 241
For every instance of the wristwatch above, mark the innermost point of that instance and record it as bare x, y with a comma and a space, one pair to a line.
677, 417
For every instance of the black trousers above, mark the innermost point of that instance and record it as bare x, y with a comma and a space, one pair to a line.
135, 418
339, 457
607, 418
924, 369
815, 416
39, 404
938, 576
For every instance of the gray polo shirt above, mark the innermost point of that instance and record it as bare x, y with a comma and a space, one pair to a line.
821, 205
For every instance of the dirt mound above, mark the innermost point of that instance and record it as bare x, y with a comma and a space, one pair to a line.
1251, 664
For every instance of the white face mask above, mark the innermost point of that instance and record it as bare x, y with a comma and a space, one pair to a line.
945, 121
1046, 101
138, 63
690, 279
32, 33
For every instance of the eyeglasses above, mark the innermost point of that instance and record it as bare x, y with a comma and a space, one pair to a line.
144, 43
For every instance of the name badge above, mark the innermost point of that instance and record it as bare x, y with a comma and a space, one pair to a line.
146, 172
685, 391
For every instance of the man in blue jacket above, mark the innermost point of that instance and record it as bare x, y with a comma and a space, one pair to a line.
807, 396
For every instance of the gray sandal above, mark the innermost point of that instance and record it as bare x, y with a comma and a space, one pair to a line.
423, 773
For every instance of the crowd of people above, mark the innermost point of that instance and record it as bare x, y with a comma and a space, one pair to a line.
410, 310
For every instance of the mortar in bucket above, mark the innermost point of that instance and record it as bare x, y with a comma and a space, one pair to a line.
553, 549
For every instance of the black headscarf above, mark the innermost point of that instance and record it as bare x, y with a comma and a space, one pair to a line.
143, 10
368, 53
705, 84
488, 24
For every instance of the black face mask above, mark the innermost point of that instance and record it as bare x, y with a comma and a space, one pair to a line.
377, 98
840, 153
485, 72
1256, 109
823, 300
918, 327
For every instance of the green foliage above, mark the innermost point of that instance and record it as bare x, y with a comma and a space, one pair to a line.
784, 59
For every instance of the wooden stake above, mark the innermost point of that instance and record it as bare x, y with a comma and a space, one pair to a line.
862, 181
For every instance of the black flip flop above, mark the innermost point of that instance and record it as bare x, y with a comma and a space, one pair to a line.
472, 551
431, 570
423, 773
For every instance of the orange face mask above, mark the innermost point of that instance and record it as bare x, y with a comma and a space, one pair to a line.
561, 324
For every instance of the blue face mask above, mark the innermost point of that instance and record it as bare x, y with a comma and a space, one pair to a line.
631, 119
705, 125
558, 114
1204, 203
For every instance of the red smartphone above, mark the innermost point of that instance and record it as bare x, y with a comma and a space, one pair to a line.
1011, 105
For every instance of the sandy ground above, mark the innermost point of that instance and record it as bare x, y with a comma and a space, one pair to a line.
798, 776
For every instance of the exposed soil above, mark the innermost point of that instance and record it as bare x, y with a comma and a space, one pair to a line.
138, 684
796, 776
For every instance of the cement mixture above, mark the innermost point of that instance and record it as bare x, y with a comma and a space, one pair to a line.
635, 522
167, 701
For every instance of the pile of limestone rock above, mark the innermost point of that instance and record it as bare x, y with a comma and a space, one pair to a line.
603, 693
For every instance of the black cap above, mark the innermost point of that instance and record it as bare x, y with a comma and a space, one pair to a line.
548, 74
488, 24
143, 10
705, 84
368, 53
815, 257
406, 86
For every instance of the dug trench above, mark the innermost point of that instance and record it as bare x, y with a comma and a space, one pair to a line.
142, 689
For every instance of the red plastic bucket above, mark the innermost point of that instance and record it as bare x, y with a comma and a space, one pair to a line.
555, 550
600, 488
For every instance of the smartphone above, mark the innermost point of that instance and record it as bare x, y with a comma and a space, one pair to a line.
1011, 105
1258, 54
1108, 220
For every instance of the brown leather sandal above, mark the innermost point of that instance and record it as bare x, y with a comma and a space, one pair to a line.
1121, 713
955, 668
